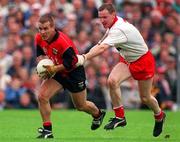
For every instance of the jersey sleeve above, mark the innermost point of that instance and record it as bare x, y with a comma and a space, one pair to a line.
69, 59
39, 51
115, 36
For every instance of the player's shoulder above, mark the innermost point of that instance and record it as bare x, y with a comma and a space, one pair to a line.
121, 22
123, 25
64, 37
61, 34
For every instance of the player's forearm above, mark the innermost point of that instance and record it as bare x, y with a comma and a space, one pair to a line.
95, 51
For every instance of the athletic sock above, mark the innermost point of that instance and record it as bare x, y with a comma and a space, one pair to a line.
47, 125
159, 116
119, 111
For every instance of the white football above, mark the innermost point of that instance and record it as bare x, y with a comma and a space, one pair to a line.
40, 67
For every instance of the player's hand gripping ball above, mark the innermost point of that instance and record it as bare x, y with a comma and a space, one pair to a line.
45, 69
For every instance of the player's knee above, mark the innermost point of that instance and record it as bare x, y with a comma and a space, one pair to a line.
144, 100
42, 99
112, 82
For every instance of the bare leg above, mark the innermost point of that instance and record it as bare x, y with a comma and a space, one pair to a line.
146, 97
81, 104
48, 89
119, 73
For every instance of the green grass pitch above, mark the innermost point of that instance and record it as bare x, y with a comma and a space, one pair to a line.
74, 126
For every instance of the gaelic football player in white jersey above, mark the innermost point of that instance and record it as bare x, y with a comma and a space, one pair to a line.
136, 61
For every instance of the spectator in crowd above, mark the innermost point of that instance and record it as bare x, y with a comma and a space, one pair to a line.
3, 37
71, 28
61, 101
78, 9
171, 76
90, 5
86, 22
164, 95
4, 8
176, 6
13, 93
32, 23
146, 8
25, 101
130, 97
157, 21
27, 39
6, 60
15, 69
66, 6
102, 81
156, 43
61, 19
82, 42
5, 79
11, 44
28, 61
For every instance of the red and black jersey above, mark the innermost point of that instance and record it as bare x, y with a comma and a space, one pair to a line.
61, 50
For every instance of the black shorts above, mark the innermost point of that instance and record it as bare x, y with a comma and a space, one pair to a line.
74, 81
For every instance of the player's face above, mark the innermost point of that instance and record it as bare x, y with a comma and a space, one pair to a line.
46, 31
106, 18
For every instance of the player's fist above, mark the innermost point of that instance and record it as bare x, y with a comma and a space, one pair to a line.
49, 72
81, 60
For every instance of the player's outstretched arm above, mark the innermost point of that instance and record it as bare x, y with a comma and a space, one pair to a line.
94, 51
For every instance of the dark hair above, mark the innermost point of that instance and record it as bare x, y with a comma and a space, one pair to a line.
107, 6
47, 18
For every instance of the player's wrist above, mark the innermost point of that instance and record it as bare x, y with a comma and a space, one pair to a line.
85, 57
81, 60
54, 69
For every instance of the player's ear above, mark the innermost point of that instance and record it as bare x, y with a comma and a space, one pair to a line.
114, 14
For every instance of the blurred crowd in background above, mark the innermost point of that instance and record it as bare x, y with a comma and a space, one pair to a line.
157, 20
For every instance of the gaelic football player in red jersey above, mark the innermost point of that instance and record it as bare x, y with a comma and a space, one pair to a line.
136, 61
60, 49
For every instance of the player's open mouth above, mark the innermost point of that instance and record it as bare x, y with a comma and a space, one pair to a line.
44, 36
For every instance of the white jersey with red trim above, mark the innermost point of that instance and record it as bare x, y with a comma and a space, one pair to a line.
126, 39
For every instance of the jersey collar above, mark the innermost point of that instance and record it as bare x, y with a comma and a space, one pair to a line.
114, 21
55, 37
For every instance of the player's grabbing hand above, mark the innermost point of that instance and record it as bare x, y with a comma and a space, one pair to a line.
81, 60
